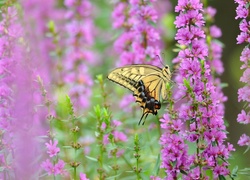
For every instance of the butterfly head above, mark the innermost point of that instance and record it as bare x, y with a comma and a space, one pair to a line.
166, 72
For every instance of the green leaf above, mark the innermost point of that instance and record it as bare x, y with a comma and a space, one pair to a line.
157, 166
234, 172
221, 177
113, 177
97, 110
69, 105
91, 158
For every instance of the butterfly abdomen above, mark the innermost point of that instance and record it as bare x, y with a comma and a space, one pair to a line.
148, 103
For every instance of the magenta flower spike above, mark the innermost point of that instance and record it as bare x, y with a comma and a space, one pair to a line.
242, 12
196, 121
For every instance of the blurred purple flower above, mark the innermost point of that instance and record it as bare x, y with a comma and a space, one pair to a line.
17, 92
120, 136
125, 103
52, 149
215, 31
52, 169
244, 140
138, 43
83, 176
80, 38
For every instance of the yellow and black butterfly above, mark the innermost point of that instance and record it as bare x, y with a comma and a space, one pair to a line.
147, 83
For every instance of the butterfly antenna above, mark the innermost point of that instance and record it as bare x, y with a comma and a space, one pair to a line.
160, 60
180, 98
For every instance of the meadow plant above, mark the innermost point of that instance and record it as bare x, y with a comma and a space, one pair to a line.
11, 31
197, 120
80, 38
137, 43
242, 13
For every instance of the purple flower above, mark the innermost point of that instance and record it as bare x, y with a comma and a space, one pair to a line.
241, 11
120, 136
59, 167
183, 36
83, 176
148, 13
244, 140
245, 55
48, 167
244, 94
215, 31
188, 5
80, 37
139, 38
125, 103
202, 100
243, 37
52, 169
116, 123
244, 25
243, 117
52, 149
246, 76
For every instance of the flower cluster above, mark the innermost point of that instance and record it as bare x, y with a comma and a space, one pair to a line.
79, 55
139, 39
56, 167
242, 12
204, 127
10, 31
214, 57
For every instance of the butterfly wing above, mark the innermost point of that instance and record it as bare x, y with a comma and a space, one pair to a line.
129, 76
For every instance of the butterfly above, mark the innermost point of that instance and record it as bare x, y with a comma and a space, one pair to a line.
147, 82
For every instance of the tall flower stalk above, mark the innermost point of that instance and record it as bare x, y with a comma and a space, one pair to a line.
11, 31
196, 122
242, 13
79, 55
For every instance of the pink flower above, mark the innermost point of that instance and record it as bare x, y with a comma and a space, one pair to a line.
243, 117
241, 11
53, 169
120, 136
52, 149
244, 140
215, 31
48, 167
83, 176
59, 167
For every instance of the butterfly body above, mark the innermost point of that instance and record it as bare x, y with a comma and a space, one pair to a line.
147, 83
